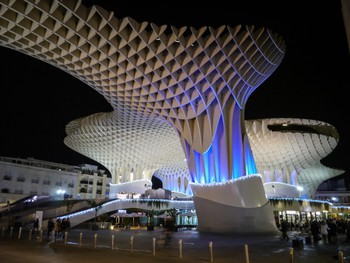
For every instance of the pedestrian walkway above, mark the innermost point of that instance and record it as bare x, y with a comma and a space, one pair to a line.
141, 245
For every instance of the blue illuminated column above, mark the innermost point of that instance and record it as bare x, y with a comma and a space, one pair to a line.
228, 156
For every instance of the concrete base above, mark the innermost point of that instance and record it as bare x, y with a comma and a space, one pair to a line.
238, 206
217, 218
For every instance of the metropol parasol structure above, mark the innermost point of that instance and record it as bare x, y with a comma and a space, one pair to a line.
178, 98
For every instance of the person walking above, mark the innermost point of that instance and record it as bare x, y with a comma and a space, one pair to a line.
58, 229
347, 231
50, 227
36, 225
333, 232
324, 228
284, 229
315, 231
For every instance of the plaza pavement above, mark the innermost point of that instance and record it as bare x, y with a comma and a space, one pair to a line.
141, 245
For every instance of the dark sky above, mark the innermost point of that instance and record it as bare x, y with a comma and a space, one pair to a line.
38, 100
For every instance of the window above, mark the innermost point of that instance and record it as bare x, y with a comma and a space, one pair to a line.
7, 178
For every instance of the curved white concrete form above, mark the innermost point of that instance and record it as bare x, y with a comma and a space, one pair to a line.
277, 189
77, 218
136, 187
198, 80
311, 177
286, 148
286, 156
131, 147
239, 206
190, 84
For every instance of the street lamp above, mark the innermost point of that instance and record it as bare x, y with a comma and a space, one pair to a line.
61, 192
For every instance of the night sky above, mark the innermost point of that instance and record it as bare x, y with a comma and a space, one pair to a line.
38, 100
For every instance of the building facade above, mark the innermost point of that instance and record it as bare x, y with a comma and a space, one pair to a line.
24, 177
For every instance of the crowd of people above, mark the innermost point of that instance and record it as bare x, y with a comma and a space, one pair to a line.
58, 228
321, 230
325, 230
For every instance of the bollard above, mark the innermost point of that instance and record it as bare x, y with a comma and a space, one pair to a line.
131, 243
154, 246
211, 251
3, 231
30, 234
180, 248
11, 231
19, 233
95, 240
341, 256
65, 237
291, 255
112, 246
41, 236
246, 253
80, 238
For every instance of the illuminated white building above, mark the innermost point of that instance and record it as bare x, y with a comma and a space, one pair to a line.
178, 97
24, 177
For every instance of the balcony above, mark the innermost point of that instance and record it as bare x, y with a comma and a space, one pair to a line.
7, 178
5, 191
